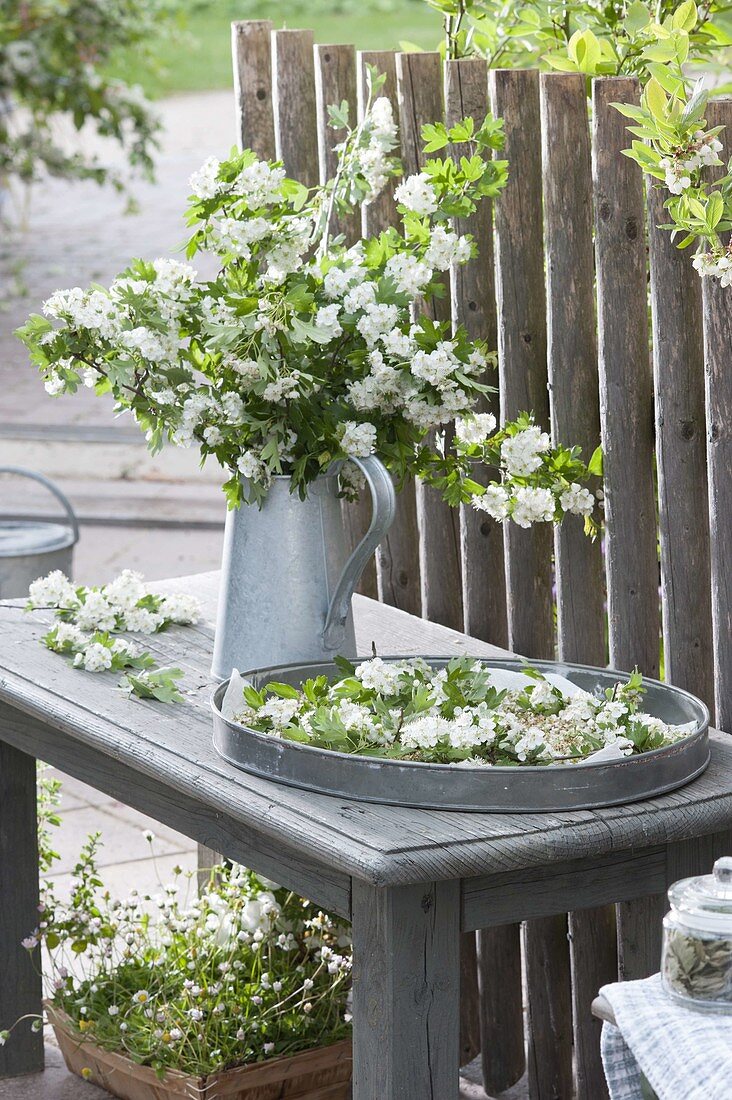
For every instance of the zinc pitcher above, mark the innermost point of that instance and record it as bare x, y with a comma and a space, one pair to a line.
287, 578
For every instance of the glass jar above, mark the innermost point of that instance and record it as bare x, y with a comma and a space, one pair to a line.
696, 967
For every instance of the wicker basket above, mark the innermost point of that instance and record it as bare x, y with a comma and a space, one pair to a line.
322, 1074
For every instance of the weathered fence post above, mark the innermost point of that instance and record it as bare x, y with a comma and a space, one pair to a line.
251, 47
626, 410
681, 459
717, 345
335, 81
521, 299
575, 411
419, 77
473, 292
397, 559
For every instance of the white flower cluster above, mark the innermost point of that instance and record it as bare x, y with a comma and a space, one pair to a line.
522, 455
456, 714
379, 139
245, 970
87, 619
715, 266
703, 152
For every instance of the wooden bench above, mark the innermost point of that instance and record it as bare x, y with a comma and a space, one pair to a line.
409, 880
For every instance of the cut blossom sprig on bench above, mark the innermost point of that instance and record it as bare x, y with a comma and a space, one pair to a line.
89, 618
302, 352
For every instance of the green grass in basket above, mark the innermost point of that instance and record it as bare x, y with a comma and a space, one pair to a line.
199, 59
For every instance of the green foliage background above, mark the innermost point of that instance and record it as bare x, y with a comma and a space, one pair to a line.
200, 58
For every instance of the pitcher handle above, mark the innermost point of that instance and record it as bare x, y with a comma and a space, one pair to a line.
383, 499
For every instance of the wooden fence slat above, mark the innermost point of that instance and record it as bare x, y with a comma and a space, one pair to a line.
574, 400
521, 299
549, 1008
640, 934
717, 344
626, 391
419, 78
335, 80
251, 49
572, 348
21, 984
397, 558
484, 589
503, 1055
594, 963
473, 295
681, 459
294, 104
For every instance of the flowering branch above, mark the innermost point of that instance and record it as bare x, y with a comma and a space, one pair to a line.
89, 618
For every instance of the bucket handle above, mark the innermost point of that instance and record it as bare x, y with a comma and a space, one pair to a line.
383, 498
63, 500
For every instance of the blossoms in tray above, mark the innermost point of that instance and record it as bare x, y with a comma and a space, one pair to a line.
240, 972
462, 713
303, 351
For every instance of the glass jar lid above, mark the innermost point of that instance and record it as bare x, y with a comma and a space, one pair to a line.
705, 902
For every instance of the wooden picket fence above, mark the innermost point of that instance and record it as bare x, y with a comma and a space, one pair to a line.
569, 259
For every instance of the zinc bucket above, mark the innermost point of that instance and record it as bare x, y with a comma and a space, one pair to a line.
32, 548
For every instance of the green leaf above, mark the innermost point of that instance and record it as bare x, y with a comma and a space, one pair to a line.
715, 210
595, 463
656, 99
284, 691
637, 17
435, 137
685, 17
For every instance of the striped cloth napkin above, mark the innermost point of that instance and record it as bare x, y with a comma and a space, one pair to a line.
683, 1054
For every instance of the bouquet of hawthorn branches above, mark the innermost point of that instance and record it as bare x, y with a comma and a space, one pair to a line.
302, 352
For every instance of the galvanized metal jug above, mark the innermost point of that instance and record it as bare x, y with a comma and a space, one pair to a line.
287, 579
32, 548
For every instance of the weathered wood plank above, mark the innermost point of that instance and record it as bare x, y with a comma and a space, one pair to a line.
503, 1056
681, 460
549, 1008
594, 961
296, 131
522, 351
575, 413
406, 992
521, 297
717, 343
472, 287
252, 58
589, 882
421, 101
640, 935
469, 999
20, 986
626, 390
335, 81
397, 558
474, 306
572, 348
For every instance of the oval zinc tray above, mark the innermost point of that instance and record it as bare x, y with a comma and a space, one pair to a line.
482, 790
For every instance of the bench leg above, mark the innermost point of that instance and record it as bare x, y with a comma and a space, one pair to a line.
20, 984
406, 991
